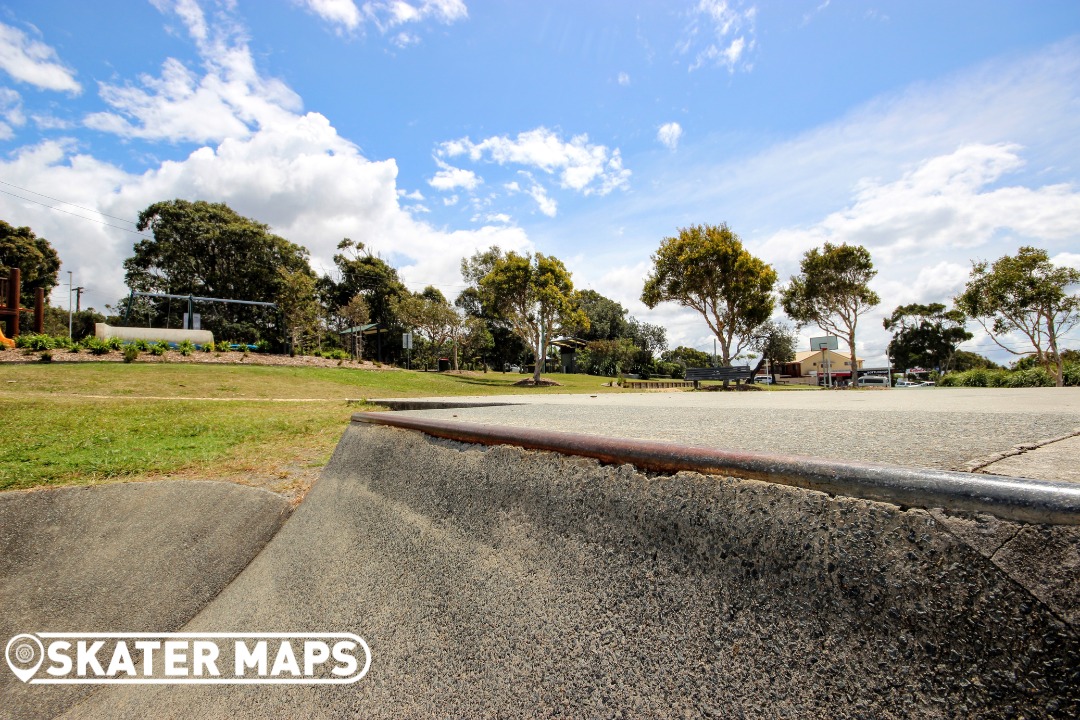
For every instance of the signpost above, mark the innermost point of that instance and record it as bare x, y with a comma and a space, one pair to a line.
406, 344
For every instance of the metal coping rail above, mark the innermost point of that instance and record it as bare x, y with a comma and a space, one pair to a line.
1009, 498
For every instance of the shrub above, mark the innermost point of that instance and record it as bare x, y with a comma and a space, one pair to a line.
159, 348
63, 342
46, 357
223, 346
141, 345
950, 380
186, 347
1032, 377
114, 343
262, 346
95, 346
1072, 374
131, 352
336, 355
208, 347
979, 377
34, 342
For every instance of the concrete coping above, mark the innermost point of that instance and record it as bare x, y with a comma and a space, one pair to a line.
1009, 498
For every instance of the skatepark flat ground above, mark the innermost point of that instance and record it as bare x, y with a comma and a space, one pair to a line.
939, 428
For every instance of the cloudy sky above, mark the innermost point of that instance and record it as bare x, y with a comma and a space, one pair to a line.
932, 133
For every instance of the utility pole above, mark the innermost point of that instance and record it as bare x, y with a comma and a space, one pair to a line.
78, 298
71, 285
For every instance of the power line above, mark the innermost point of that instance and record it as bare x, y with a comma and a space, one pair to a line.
65, 202
102, 222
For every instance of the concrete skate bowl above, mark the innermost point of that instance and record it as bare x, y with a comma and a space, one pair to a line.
491, 580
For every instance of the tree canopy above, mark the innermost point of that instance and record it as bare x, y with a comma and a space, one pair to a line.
207, 249
925, 335
775, 343
706, 268
606, 318
832, 291
361, 273
1028, 295
533, 295
36, 259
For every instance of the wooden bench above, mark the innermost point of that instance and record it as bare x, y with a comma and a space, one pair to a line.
734, 373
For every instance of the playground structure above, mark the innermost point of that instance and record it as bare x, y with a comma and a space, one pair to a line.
10, 290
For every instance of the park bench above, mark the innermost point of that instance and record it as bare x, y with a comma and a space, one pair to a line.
729, 373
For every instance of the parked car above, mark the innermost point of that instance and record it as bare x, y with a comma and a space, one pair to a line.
764, 379
906, 383
927, 383
873, 381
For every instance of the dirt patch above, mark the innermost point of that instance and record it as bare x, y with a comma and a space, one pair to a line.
212, 358
529, 382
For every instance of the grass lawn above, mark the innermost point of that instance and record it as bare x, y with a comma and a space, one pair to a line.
86, 423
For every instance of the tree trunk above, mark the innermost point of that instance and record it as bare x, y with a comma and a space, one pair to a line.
1059, 364
455, 356
854, 383
539, 359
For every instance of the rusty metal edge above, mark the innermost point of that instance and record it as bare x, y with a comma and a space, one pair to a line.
1010, 498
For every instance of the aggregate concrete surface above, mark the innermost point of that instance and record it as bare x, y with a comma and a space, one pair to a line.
940, 428
498, 582
131, 557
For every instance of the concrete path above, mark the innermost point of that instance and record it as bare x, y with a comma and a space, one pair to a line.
939, 428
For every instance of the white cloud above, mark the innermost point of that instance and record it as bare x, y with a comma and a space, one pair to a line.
11, 112
1067, 259
290, 170
580, 165
33, 62
728, 33
944, 202
545, 204
669, 134
339, 12
449, 178
387, 15
229, 100
624, 79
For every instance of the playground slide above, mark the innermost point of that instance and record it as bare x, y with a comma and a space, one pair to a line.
6, 341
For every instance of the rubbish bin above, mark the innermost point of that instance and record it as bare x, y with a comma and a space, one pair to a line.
444, 364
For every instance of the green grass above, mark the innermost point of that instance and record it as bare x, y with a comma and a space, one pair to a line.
54, 434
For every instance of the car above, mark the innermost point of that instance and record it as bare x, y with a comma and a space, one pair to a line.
906, 383
927, 383
873, 381
764, 379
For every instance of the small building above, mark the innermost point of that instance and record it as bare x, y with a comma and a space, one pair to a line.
568, 348
811, 363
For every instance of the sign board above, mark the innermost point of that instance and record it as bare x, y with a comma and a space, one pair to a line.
196, 321
406, 341
827, 342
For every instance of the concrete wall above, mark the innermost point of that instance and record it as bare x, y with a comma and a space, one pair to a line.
499, 582
198, 337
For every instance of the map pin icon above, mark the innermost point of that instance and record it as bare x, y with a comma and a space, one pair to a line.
24, 655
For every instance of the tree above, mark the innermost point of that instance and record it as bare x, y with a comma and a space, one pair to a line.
962, 361
1025, 294
609, 357
707, 269
607, 318
356, 313
430, 315
925, 335
299, 310
36, 259
533, 295
207, 249
687, 357
832, 292
775, 342
360, 272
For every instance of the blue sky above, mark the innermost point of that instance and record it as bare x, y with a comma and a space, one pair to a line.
933, 133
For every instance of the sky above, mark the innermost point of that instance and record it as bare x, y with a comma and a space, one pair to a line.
934, 134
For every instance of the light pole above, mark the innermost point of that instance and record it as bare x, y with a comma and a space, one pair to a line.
71, 285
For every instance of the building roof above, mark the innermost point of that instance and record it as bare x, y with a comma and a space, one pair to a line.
807, 354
